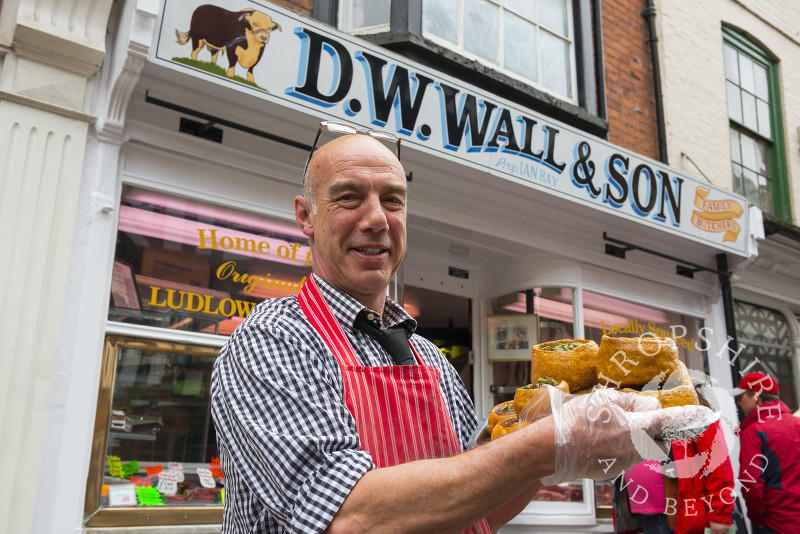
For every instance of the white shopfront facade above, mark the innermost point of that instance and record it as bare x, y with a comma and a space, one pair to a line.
509, 215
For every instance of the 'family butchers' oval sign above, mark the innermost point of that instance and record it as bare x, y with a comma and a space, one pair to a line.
293, 61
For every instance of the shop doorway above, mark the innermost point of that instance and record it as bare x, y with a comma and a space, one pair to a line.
446, 320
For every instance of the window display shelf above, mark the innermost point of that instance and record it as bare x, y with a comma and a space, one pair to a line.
160, 454
136, 436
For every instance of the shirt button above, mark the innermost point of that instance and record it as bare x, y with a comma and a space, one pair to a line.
371, 316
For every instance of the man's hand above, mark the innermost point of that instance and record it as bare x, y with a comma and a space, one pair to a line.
718, 528
604, 433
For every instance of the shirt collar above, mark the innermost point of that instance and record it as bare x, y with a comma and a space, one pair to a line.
345, 308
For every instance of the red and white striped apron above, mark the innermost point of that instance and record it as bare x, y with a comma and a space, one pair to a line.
399, 410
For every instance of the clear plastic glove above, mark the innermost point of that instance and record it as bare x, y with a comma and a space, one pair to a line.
603, 433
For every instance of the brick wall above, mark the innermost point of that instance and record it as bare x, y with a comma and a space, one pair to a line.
300, 6
629, 77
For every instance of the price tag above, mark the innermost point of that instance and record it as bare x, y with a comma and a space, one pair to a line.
153, 470
148, 496
122, 495
130, 468
216, 468
206, 478
114, 466
167, 483
177, 469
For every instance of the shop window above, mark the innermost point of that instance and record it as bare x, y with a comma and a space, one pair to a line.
529, 40
154, 457
446, 321
756, 125
541, 49
550, 316
186, 265
578, 502
516, 322
364, 14
604, 315
768, 347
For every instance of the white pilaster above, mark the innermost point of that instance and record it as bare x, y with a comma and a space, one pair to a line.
50, 53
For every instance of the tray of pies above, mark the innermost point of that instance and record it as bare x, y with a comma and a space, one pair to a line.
645, 365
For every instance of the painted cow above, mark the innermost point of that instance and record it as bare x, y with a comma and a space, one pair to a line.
242, 35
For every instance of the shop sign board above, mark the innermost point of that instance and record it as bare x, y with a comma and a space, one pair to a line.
284, 58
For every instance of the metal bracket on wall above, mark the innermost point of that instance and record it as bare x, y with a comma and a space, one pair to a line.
211, 120
204, 131
207, 131
684, 268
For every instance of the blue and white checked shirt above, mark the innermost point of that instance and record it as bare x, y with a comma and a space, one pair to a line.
288, 444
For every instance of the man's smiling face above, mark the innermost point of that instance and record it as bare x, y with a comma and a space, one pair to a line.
358, 231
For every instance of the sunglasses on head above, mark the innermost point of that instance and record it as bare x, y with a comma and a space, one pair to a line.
340, 128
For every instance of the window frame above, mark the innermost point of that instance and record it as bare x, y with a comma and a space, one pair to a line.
94, 514
588, 109
744, 44
545, 513
570, 38
580, 278
792, 322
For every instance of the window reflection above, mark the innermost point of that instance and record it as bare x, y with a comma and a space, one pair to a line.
604, 315
186, 265
356, 14
155, 443
515, 36
553, 306
441, 19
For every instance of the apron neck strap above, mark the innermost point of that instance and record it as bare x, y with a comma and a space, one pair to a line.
321, 317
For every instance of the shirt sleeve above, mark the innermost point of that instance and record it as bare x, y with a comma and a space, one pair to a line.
283, 426
750, 469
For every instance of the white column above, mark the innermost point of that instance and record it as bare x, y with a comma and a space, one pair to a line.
67, 449
50, 52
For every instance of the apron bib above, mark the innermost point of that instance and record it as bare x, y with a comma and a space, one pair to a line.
399, 410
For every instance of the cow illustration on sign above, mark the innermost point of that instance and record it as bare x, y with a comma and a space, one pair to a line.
242, 35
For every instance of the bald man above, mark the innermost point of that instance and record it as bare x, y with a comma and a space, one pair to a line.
322, 429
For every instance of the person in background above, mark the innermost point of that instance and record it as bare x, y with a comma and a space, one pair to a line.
325, 424
705, 493
698, 494
769, 459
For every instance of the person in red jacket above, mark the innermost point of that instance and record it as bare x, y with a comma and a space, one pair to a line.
705, 484
701, 497
769, 459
